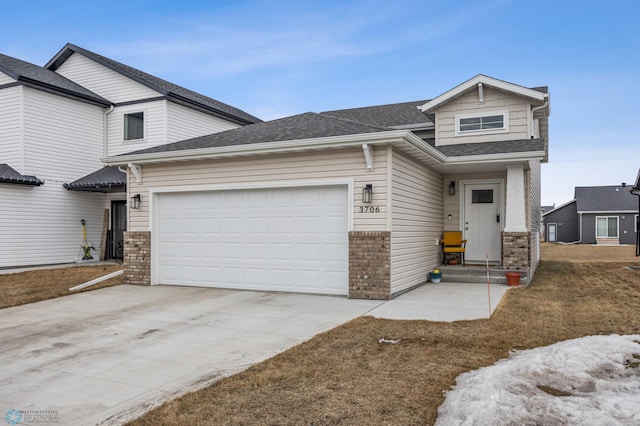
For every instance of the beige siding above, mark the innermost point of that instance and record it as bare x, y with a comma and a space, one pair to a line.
155, 127
62, 137
5, 79
185, 123
495, 101
308, 167
103, 81
534, 211
416, 218
11, 127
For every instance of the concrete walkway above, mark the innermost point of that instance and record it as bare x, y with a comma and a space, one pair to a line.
107, 356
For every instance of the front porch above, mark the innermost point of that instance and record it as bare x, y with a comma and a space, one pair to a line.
476, 274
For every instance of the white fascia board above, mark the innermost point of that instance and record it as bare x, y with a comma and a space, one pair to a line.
299, 145
493, 158
608, 211
486, 81
559, 207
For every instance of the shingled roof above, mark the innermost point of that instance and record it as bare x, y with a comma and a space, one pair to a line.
605, 199
164, 87
37, 76
10, 175
303, 126
486, 148
392, 115
107, 179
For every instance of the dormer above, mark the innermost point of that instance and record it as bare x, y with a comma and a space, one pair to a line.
484, 109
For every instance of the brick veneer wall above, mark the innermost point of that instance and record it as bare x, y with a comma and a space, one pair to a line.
137, 257
370, 265
516, 254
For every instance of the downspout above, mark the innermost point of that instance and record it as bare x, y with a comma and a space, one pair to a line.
580, 240
636, 192
105, 134
544, 105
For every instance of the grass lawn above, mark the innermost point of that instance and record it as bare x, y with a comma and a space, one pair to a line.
33, 286
344, 376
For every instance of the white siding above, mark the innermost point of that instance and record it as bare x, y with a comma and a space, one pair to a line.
62, 142
62, 137
5, 79
155, 131
41, 225
416, 217
103, 81
185, 123
309, 167
11, 127
495, 101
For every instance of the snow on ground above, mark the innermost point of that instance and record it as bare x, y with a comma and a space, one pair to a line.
597, 376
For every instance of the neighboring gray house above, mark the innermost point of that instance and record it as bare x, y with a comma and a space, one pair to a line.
597, 215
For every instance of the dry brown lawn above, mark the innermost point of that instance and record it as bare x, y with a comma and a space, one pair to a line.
344, 376
33, 286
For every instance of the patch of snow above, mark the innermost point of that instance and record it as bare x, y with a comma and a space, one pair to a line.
598, 376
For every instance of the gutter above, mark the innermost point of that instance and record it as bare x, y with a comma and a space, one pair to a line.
298, 145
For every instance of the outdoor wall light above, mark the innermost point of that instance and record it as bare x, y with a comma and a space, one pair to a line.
135, 201
449, 217
367, 193
452, 188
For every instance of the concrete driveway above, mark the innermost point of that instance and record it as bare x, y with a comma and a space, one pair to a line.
108, 355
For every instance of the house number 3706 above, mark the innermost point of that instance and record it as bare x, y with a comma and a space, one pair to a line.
369, 209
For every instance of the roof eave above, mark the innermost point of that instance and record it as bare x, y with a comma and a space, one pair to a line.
485, 80
494, 158
290, 146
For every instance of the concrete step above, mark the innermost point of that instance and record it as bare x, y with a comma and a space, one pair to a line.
472, 274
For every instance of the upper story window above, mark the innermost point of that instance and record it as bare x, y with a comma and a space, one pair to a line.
134, 126
494, 122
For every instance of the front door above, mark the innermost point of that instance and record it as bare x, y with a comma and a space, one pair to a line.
482, 221
118, 226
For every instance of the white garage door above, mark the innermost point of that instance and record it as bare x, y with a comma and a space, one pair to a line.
284, 239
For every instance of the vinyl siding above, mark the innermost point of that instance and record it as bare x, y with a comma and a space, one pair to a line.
495, 101
41, 225
311, 166
103, 81
567, 221
11, 127
155, 127
62, 137
416, 221
5, 79
534, 212
185, 123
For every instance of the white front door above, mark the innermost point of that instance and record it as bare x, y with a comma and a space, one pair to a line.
482, 221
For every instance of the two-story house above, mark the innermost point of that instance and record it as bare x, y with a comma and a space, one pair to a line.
56, 124
350, 202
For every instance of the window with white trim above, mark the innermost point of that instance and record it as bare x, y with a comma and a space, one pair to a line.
134, 126
493, 122
606, 226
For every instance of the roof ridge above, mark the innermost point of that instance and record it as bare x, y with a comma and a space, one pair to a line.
346, 120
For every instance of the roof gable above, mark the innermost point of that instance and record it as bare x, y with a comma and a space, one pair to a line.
536, 94
171, 91
36, 76
605, 199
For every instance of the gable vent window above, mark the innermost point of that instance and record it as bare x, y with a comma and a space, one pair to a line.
134, 126
496, 122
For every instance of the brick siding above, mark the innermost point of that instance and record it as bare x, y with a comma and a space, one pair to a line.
370, 265
137, 257
516, 251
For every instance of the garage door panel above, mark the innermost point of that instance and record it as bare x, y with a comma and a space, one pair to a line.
286, 239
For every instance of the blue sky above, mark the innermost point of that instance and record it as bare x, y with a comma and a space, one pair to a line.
277, 58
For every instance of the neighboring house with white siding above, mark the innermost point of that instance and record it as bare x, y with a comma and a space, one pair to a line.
351, 202
56, 124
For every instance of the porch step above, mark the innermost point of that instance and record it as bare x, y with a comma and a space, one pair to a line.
472, 274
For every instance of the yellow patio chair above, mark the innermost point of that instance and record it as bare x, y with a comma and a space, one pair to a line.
452, 242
